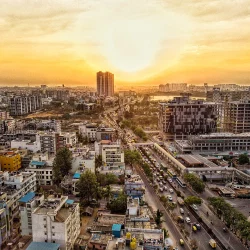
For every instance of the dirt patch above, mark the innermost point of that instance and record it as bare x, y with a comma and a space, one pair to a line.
87, 221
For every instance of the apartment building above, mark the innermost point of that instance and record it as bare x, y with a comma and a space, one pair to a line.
26, 144
215, 142
105, 83
181, 117
23, 105
56, 220
88, 130
112, 154
44, 173
54, 125
10, 161
12, 188
103, 133
172, 87
236, 116
27, 204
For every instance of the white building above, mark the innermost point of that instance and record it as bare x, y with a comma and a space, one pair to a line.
56, 220
88, 130
27, 204
44, 173
26, 144
53, 124
13, 187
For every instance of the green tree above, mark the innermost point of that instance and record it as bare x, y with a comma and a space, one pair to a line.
243, 159
132, 157
158, 217
98, 161
196, 183
190, 200
88, 186
118, 205
62, 164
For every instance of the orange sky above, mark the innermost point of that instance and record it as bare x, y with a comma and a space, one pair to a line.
144, 41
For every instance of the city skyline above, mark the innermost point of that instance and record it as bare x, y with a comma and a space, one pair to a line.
143, 42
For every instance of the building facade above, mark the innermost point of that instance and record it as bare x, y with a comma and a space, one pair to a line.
23, 105
56, 220
182, 117
10, 161
105, 83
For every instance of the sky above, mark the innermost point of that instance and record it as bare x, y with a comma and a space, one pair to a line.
147, 42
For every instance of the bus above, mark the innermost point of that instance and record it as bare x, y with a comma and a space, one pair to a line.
180, 182
171, 173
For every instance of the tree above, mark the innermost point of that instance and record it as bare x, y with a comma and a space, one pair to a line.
132, 157
98, 161
243, 159
87, 186
62, 164
118, 205
107, 179
190, 200
195, 182
158, 217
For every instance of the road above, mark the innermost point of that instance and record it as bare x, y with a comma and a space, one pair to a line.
228, 239
158, 205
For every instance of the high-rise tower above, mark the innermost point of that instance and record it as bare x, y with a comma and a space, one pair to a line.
105, 83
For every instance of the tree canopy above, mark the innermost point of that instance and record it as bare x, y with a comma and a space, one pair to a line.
118, 205
243, 159
190, 200
88, 186
132, 157
62, 164
196, 183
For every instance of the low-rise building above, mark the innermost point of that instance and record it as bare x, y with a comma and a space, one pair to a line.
10, 161
134, 186
26, 144
88, 130
57, 220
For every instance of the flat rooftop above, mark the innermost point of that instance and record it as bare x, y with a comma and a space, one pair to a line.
111, 218
100, 238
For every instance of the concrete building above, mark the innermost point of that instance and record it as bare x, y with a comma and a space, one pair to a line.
236, 116
182, 117
172, 87
103, 133
57, 220
12, 188
10, 161
26, 144
27, 204
105, 83
54, 125
44, 173
215, 142
23, 105
134, 186
88, 130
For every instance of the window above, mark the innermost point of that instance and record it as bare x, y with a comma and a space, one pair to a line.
53, 227
53, 234
45, 233
54, 241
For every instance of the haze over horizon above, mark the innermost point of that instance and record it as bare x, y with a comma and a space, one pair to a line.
143, 41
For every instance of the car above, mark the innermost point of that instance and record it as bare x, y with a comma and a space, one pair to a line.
194, 228
180, 219
198, 226
171, 190
195, 207
170, 180
166, 188
188, 220
181, 242
170, 198
181, 210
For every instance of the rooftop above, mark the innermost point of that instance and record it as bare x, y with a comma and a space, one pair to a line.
43, 246
37, 163
28, 197
100, 238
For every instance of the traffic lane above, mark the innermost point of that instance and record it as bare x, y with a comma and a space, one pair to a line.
172, 227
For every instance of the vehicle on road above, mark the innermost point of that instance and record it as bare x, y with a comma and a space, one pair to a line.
194, 207
180, 201
161, 190
188, 220
181, 242
194, 228
166, 188
171, 190
170, 198
181, 210
198, 226
212, 243
180, 219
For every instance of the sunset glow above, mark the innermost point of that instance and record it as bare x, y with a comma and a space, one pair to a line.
151, 41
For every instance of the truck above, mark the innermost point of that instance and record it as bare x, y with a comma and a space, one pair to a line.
180, 201
212, 243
